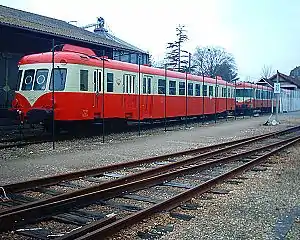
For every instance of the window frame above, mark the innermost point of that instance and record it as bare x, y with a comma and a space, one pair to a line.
161, 86
84, 83
181, 89
190, 89
51, 77
172, 87
109, 82
210, 90
197, 91
23, 85
204, 90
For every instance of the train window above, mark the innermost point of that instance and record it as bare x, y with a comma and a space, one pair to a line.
149, 85
161, 86
128, 83
84, 75
28, 79
59, 75
228, 92
204, 90
19, 79
110, 82
258, 94
144, 85
197, 89
40, 79
190, 89
216, 91
211, 91
181, 88
95, 80
172, 87
223, 92
133, 84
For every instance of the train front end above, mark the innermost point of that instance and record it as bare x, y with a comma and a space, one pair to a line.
244, 100
33, 102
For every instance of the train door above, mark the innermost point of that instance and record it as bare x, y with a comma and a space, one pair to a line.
97, 93
147, 101
129, 96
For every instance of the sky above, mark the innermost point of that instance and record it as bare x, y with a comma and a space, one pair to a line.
256, 32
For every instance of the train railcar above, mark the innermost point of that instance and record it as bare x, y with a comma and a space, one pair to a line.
87, 88
253, 98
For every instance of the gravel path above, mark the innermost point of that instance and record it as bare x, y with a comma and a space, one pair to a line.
19, 164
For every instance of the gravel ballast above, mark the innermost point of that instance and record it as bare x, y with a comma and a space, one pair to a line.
253, 209
20, 164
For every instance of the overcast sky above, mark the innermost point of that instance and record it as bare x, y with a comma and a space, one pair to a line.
256, 32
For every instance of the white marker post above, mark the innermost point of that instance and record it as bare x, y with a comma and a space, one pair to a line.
277, 92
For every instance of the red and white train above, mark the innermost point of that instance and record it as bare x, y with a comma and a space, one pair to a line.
252, 97
88, 88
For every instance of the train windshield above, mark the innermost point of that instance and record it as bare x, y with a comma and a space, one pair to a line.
34, 79
40, 79
28, 79
60, 75
244, 92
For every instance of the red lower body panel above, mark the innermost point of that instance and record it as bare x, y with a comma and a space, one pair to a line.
88, 106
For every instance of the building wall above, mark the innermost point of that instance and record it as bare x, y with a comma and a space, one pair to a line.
8, 77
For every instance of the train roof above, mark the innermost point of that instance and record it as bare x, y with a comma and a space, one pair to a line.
252, 85
84, 59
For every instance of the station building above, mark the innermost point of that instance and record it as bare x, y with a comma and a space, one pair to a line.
23, 33
290, 91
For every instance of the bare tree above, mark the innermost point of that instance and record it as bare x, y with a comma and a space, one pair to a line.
174, 55
267, 71
214, 61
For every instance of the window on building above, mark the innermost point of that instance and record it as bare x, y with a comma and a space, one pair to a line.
181, 88
197, 89
40, 79
190, 89
28, 79
172, 87
84, 79
60, 75
161, 86
211, 91
204, 90
110, 82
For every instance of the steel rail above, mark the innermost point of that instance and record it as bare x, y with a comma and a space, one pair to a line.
33, 214
134, 177
42, 182
177, 200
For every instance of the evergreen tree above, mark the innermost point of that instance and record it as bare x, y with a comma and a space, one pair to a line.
175, 54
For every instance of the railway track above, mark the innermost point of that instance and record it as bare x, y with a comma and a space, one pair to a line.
195, 171
24, 137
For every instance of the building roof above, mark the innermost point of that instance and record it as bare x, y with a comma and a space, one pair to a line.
290, 79
38, 23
